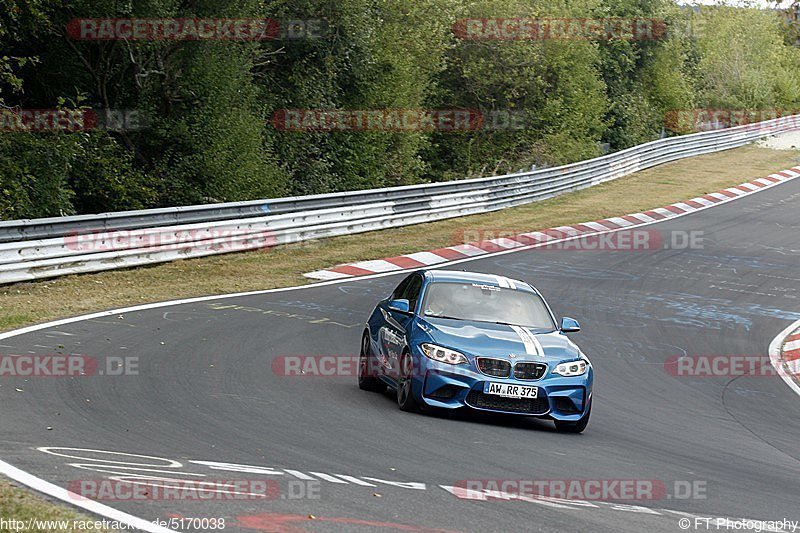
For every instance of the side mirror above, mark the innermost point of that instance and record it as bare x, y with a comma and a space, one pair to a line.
569, 325
401, 306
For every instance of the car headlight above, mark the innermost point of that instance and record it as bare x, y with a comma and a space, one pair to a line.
443, 355
572, 368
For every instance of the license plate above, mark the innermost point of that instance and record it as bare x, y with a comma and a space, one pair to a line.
510, 391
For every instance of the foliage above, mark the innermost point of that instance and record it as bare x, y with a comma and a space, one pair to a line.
208, 134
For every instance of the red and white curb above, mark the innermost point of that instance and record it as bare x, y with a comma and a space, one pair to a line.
551, 235
790, 355
784, 354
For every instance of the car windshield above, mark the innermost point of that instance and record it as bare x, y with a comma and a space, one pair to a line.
486, 303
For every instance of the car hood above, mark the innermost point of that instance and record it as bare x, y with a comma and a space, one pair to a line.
498, 340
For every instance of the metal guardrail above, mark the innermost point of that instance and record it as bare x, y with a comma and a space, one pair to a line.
41, 248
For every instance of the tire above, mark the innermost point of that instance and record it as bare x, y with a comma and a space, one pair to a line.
405, 395
574, 427
366, 363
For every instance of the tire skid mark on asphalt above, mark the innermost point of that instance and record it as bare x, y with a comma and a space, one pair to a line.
309, 319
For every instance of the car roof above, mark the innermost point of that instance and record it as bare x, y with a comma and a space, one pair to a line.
476, 277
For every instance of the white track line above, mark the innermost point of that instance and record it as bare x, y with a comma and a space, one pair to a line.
92, 506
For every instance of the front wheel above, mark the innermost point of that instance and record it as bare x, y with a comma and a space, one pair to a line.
574, 427
366, 368
405, 395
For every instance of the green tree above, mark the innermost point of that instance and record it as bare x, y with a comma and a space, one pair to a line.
372, 56
552, 89
743, 61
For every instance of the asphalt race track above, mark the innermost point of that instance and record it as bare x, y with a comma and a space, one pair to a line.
206, 390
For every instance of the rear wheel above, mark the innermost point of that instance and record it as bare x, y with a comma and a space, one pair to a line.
367, 380
405, 396
574, 427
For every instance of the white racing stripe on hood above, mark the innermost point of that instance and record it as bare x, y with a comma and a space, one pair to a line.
532, 344
504, 282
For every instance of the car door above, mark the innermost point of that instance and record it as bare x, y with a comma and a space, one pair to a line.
393, 333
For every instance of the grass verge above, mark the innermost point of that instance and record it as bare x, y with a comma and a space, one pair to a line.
22, 505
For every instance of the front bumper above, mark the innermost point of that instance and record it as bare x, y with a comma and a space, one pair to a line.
452, 387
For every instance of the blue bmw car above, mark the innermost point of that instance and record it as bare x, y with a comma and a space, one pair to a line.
453, 339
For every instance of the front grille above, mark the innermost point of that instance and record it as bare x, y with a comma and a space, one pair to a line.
530, 406
494, 367
529, 370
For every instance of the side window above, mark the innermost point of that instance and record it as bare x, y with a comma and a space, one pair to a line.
398, 292
412, 290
